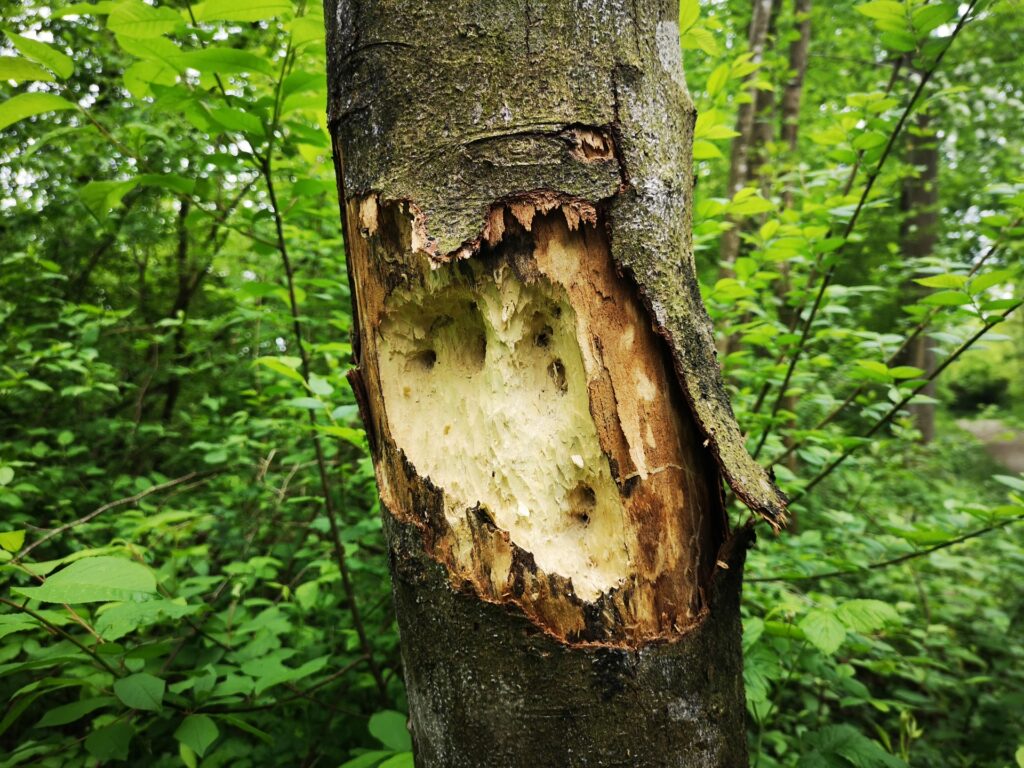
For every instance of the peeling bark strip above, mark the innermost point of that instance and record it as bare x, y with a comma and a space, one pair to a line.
538, 378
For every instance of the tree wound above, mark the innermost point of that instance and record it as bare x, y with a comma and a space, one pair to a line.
527, 383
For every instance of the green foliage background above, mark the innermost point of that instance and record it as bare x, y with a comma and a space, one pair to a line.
180, 583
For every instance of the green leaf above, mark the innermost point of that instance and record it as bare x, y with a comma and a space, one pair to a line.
905, 372
903, 42
882, 9
94, 579
141, 691
12, 541
929, 17
989, 279
16, 622
869, 140
1009, 481
239, 121
119, 619
866, 615
270, 671
843, 745
110, 742
30, 104
698, 37
170, 181
21, 70
142, 75
389, 728
240, 10
286, 366
6, 475
225, 61
946, 299
718, 78
132, 18
1019, 756
69, 713
249, 728
689, 12
305, 30
823, 630
41, 53
709, 123
308, 403
101, 197
705, 150
941, 281
750, 206
403, 760
197, 732
356, 437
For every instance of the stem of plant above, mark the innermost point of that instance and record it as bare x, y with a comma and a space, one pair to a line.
830, 273
918, 329
897, 407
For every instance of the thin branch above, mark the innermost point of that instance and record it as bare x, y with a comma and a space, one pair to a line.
66, 635
847, 186
897, 407
113, 505
830, 273
298, 695
918, 329
894, 560
321, 460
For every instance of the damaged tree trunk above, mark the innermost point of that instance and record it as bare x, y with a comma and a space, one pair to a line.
538, 380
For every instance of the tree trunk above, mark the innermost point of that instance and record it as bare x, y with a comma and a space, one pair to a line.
739, 157
918, 236
792, 95
536, 373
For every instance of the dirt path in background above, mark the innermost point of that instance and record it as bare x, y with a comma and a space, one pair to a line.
1002, 443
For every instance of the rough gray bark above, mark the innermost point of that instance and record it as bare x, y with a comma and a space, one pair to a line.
516, 185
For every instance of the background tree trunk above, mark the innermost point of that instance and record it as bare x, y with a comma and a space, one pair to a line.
918, 236
538, 379
740, 154
792, 95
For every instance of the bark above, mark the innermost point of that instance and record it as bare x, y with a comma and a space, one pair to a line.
739, 158
764, 134
918, 236
792, 95
537, 375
